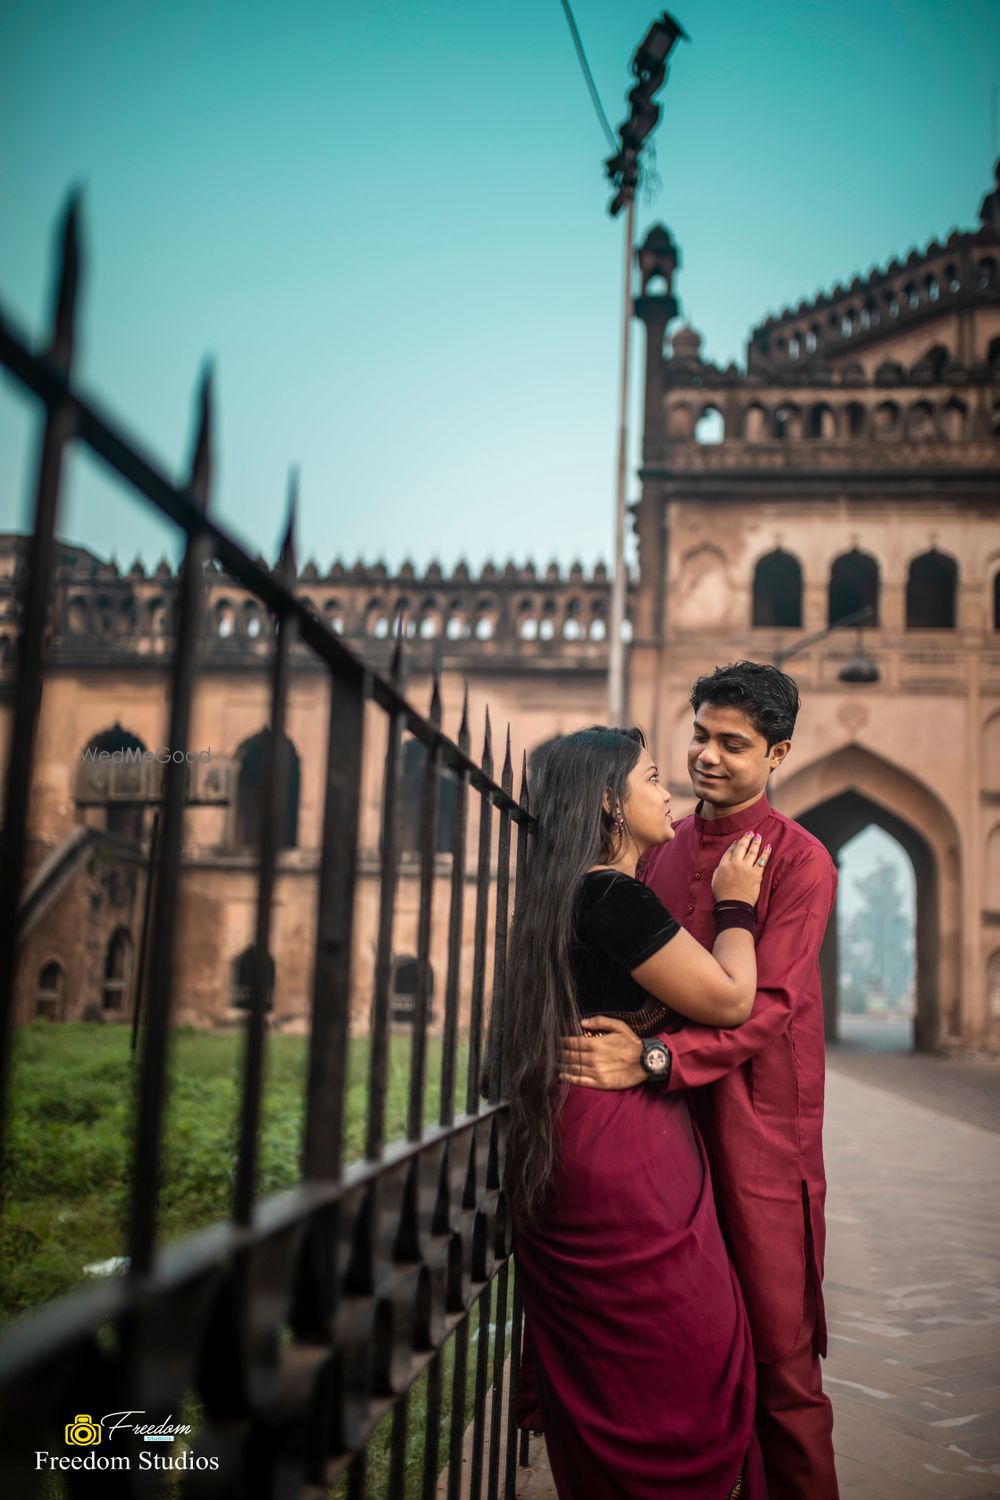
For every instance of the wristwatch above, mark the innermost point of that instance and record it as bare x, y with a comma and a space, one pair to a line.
656, 1060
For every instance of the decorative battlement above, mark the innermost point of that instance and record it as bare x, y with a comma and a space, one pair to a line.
952, 273
899, 369
96, 607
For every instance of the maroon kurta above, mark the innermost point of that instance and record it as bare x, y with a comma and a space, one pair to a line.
762, 1119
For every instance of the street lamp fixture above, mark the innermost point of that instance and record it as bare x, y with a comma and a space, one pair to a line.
860, 668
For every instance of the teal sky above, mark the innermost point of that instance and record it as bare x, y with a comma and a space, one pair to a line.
386, 222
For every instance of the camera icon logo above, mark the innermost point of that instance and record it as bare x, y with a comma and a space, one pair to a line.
82, 1432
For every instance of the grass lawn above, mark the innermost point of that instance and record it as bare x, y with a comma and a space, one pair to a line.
71, 1128
69, 1140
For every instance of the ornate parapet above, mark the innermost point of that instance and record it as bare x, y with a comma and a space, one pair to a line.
99, 615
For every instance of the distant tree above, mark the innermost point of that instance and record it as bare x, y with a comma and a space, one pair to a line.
877, 945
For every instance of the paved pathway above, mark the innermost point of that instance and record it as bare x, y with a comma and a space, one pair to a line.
913, 1277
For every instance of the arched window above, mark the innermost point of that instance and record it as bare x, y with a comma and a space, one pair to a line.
527, 625
920, 421
777, 591
788, 422
241, 978
115, 780
411, 797
993, 986
49, 993
225, 624
885, 420
117, 971
376, 620
954, 419
250, 791
822, 423
755, 425
931, 589
403, 997
457, 624
855, 419
710, 427
78, 617
853, 586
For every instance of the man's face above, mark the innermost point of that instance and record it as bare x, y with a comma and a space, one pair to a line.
729, 760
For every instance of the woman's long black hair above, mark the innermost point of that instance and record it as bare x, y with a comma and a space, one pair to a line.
580, 785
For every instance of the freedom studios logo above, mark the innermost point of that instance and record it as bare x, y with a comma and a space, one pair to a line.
86, 1432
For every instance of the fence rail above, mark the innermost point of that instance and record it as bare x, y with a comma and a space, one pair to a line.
307, 1316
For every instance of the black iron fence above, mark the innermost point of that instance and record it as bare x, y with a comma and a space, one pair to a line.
306, 1318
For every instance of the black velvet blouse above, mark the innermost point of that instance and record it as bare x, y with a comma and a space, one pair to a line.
618, 923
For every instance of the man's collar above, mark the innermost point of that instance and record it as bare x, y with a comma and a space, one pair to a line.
732, 823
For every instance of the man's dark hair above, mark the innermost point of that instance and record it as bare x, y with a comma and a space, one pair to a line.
768, 697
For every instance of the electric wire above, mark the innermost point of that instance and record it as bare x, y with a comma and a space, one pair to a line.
589, 77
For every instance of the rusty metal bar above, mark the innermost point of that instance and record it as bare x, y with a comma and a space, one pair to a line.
151, 1102
513, 1392
479, 1411
500, 931
147, 906
479, 939
57, 432
428, 853
456, 1436
331, 996
357, 1476
456, 913
397, 1448
387, 901
274, 803
496, 1405
432, 1429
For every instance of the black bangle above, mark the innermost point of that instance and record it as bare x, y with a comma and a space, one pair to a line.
735, 914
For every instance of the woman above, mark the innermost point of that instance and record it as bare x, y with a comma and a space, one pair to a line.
641, 1349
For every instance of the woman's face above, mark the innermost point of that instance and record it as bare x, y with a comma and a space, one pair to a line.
647, 805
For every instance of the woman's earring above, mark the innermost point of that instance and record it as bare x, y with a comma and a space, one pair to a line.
618, 823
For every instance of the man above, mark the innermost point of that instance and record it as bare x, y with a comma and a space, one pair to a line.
762, 1112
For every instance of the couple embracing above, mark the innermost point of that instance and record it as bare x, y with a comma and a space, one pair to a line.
665, 1065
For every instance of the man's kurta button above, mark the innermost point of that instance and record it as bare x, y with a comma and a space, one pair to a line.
697, 874
690, 910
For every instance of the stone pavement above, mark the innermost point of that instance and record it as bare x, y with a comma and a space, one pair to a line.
912, 1278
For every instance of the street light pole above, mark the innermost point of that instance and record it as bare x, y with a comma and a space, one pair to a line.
649, 66
616, 643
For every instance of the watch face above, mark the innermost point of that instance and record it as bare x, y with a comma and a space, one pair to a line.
656, 1059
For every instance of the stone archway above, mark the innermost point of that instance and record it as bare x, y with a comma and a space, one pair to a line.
838, 796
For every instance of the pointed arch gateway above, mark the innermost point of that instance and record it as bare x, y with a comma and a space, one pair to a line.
835, 798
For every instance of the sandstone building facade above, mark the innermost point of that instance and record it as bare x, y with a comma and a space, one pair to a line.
854, 465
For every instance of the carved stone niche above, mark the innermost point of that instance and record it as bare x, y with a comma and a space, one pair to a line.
704, 598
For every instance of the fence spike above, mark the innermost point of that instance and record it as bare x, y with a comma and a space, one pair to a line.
68, 281
507, 774
286, 557
463, 728
488, 745
200, 475
523, 799
435, 714
396, 665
